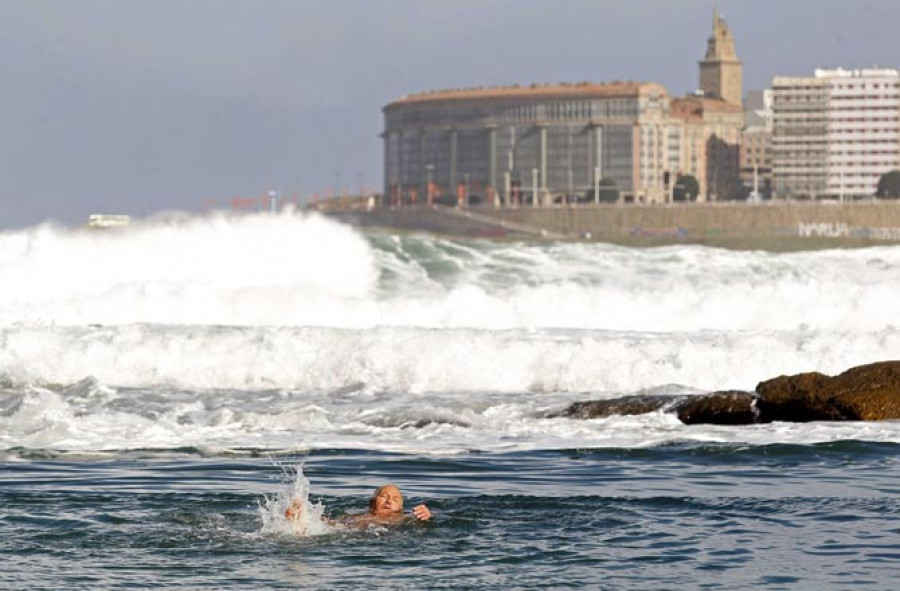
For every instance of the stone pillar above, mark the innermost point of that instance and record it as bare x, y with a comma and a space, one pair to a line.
492, 159
543, 167
453, 161
423, 189
400, 170
388, 156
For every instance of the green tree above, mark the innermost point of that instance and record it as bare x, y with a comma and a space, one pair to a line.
889, 185
686, 188
609, 192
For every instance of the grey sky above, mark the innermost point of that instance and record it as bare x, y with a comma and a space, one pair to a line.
135, 106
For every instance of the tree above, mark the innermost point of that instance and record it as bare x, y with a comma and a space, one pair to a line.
609, 193
686, 188
889, 185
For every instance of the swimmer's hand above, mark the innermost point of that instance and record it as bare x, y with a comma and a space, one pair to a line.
421, 512
294, 511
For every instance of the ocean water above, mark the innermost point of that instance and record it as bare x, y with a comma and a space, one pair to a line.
165, 391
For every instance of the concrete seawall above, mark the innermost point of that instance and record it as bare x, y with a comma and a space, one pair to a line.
779, 225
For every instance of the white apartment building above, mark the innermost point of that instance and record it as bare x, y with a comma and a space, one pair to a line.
835, 133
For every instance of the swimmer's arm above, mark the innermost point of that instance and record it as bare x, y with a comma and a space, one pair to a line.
293, 512
421, 512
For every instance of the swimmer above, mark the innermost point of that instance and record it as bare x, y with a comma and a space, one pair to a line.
385, 508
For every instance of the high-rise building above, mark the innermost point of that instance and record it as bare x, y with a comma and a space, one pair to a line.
835, 133
721, 72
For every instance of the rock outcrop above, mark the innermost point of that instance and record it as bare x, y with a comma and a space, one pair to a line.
627, 405
721, 408
864, 393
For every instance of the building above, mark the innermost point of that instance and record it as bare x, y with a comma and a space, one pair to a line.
706, 127
721, 72
835, 133
706, 139
756, 145
506, 144
544, 144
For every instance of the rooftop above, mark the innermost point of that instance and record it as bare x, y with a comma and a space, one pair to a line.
534, 91
692, 107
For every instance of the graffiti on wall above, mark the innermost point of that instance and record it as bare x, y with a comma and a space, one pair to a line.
842, 230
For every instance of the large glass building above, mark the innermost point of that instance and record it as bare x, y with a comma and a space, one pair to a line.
506, 145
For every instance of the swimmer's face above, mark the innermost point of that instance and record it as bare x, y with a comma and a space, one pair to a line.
387, 500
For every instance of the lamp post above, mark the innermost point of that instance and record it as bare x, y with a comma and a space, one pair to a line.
429, 168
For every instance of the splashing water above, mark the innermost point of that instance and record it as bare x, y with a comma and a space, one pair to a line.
294, 492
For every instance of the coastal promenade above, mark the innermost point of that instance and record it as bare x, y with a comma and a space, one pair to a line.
779, 225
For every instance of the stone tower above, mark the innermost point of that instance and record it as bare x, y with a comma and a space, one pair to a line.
721, 72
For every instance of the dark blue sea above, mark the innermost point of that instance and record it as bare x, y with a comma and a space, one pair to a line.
166, 390
823, 516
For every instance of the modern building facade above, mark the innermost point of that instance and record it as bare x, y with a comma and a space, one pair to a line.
542, 144
507, 144
835, 133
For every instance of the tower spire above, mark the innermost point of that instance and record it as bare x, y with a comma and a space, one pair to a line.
720, 69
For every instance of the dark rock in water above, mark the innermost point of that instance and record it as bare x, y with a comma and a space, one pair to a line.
731, 407
865, 393
627, 405
797, 399
722, 408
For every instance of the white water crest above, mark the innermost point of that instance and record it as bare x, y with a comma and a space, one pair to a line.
304, 270
294, 332
217, 269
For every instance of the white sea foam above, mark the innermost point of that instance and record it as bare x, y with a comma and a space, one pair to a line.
296, 270
420, 360
294, 422
294, 332
285, 269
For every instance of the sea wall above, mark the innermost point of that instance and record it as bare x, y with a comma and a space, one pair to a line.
871, 220
791, 224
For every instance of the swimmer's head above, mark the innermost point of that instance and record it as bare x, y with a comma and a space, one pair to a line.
386, 501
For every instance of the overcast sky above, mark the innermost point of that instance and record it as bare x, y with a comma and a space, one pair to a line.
137, 106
